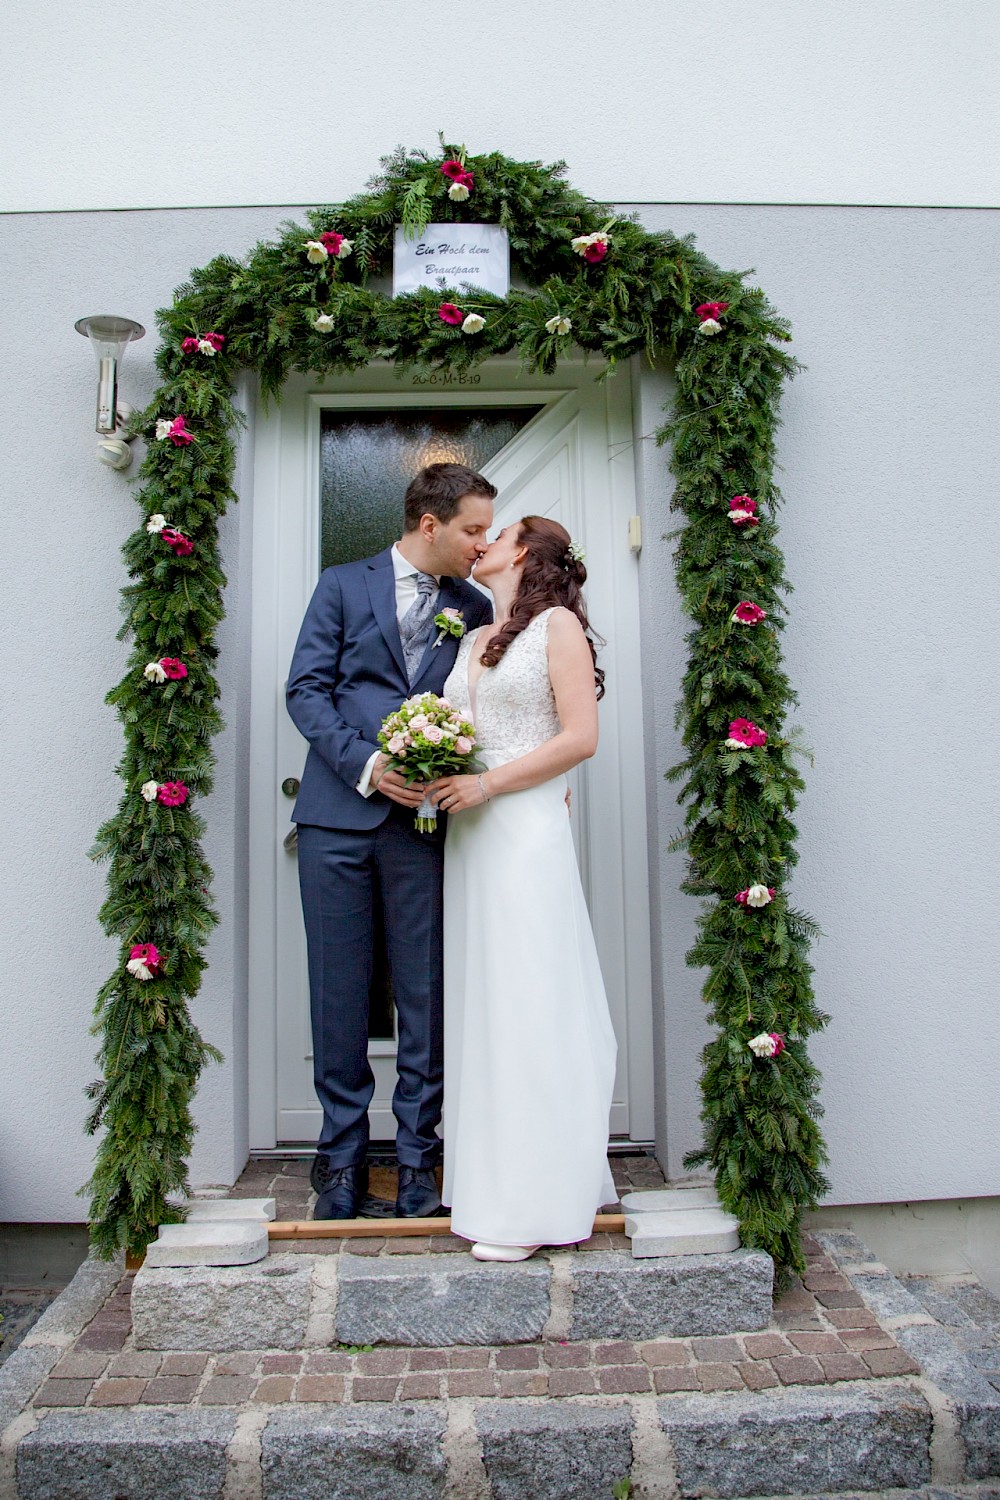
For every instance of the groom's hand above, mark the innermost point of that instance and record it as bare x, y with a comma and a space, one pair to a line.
392, 785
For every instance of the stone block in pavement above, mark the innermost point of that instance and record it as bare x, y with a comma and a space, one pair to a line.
975, 1402
440, 1300
667, 1200
368, 1451
227, 1242
678, 1297
695, 1231
555, 1451
222, 1308
205, 1210
110, 1454
799, 1442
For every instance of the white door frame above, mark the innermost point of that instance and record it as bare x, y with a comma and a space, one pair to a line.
286, 511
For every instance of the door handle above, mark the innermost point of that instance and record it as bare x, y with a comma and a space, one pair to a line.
291, 839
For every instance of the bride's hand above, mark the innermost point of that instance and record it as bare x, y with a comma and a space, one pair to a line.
455, 793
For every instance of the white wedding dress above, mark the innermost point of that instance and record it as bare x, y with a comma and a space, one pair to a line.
529, 1047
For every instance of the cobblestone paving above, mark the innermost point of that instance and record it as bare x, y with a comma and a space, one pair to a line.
821, 1334
968, 1311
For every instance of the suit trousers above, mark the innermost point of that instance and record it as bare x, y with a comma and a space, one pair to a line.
342, 872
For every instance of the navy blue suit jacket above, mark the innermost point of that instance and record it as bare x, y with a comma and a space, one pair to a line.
348, 674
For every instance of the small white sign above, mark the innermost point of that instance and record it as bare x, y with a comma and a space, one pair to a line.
474, 256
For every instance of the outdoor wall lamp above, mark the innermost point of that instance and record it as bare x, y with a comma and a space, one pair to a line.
108, 336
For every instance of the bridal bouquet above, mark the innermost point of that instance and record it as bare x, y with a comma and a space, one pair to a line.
424, 739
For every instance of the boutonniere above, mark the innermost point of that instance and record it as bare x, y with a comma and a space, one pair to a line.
449, 622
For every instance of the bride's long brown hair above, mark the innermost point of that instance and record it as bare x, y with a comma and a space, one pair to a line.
550, 576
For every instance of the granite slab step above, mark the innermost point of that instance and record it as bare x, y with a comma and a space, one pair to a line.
438, 1300
864, 1440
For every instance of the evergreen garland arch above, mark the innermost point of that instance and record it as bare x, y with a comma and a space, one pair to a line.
640, 296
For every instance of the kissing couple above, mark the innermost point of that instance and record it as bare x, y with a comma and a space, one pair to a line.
502, 1016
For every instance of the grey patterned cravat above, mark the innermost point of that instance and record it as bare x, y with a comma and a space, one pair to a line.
415, 626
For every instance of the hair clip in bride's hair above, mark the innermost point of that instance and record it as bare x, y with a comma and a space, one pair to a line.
575, 552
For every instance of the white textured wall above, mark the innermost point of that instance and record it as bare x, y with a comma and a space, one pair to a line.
711, 101
889, 455
890, 460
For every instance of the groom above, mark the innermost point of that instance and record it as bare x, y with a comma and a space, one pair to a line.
366, 643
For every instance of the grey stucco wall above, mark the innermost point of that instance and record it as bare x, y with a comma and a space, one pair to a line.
888, 452
65, 517
889, 456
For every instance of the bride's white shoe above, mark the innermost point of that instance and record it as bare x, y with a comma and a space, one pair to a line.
482, 1250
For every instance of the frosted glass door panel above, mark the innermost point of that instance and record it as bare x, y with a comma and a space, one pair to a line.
367, 459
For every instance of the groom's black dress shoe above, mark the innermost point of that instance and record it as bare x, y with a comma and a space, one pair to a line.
342, 1190
417, 1196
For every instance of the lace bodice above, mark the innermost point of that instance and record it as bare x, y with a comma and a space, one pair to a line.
514, 708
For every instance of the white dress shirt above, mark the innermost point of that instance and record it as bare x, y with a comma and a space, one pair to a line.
406, 593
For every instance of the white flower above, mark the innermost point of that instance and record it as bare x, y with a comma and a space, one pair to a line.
558, 324
156, 523
137, 968
709, 327
759, 895
323, 323
763, 1045
149, 789
153, 672
346, 246
739, 514
206, 348
458, 192
164, 428
473, 323
453, 614
581, 244
316, 252
736, 745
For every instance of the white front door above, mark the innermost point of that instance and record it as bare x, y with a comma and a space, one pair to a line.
572, 461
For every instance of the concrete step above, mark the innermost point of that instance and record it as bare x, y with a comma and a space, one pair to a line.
791, 1442
294, 1301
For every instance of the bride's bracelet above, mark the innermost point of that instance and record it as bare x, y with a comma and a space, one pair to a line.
482, 788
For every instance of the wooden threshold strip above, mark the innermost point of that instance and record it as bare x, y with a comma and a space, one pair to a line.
329, 1229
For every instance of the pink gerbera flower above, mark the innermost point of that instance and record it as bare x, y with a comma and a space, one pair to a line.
172, 794
744, 735
182, 545
144, 961
449, 313
748, 613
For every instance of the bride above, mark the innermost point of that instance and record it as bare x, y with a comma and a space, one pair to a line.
529, 1046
